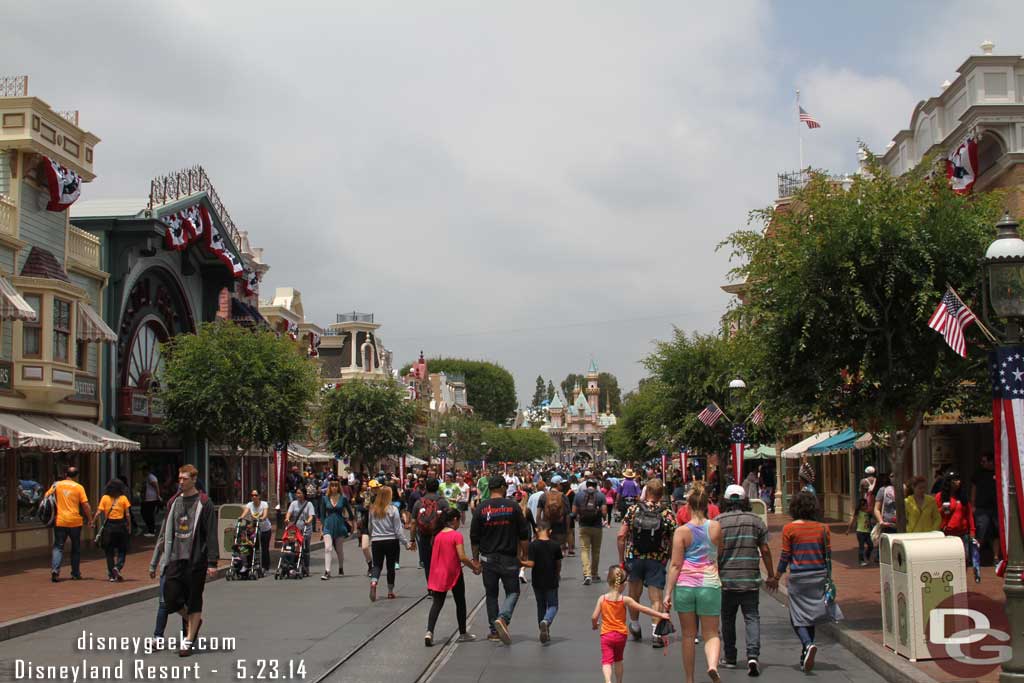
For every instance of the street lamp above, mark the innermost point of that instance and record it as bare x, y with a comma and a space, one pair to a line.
736, 386
1003, 299
483, 456
442, 454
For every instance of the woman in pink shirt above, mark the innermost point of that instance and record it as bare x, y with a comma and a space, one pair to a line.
446, 560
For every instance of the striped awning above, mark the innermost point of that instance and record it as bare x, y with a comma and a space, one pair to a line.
12, 305
44, 433
91, 326
110, 440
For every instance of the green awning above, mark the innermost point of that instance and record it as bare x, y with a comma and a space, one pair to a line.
846, 440
761, 452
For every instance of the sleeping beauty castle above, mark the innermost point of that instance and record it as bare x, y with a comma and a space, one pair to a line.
578, 428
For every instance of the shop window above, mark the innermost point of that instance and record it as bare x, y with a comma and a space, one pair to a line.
61, 330
31, 484
32, 331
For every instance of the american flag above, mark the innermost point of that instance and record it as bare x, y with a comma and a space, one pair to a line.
757, 417
950, 319
808, 119
1007, 367
711, 414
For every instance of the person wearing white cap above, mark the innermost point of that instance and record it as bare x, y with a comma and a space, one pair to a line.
744, 538
868, 482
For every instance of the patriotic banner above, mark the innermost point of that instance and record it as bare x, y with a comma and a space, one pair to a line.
682, 463
962, 166
185, 226
280, 468
314, 345
757, 416
293, 330
664, 466
738, 446
444, 463
64, 184
1007, 367
711, 414
251, 282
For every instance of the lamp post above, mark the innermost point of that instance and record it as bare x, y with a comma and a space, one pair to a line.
1003, 298
442, 440
483, 457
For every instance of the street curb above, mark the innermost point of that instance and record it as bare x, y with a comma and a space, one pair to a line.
63, 615
884, 662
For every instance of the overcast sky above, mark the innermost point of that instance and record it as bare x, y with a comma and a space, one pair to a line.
533, 183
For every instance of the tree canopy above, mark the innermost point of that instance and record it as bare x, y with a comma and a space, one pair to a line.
236, 387
540, 393
490, 388
366, 421
841, 286
518, 445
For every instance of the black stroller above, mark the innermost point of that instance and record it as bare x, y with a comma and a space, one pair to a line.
289, 566
245, 552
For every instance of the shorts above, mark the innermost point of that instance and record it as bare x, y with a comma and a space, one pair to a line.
705, 601
651, 572
613, 644
183, 587
462, 506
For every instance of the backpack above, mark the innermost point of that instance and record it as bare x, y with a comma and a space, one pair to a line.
648, 529
428, 519
47, 512
554, 507
312, 491
588, 508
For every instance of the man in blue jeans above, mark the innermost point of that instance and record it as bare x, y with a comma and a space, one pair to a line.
499, 535
744, 539
72, 504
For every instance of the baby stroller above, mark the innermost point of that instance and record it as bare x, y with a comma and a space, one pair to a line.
245, 553
289, 566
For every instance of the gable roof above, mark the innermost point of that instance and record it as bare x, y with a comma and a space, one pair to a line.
582, 405
43, 264
556, 403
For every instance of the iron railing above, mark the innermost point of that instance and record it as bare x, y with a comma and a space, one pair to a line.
354, 317
13, 86
173, 186
69, 115
792, 182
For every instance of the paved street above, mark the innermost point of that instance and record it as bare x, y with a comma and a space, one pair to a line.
321, 623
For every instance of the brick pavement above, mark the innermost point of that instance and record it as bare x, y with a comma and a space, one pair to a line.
859, 589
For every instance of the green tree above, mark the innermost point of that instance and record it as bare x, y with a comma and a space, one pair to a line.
841, 286
367, 420
540, 393
236, 387
519, 445
551, 390
490, 388
465, 434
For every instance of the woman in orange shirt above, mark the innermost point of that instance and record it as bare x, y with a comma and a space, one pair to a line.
117, 529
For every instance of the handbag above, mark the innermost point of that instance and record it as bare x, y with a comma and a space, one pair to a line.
830, 585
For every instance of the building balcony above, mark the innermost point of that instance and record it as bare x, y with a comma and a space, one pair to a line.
354, 317
30, 124
8, 217
84, 248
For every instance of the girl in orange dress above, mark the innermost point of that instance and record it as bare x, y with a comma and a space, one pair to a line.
610, 614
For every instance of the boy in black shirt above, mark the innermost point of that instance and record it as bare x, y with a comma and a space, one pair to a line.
545, 558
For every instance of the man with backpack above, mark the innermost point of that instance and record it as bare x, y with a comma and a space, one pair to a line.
553, 507
67, 511
645, 546
591, 509
426, 515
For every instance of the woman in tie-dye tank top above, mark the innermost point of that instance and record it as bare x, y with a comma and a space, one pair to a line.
697, 590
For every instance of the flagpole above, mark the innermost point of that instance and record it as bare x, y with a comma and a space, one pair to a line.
799, 132
977, 320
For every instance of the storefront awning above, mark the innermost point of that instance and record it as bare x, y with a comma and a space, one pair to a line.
12, 305
796, 450
761, 452
110, 440
409, 460
44, 433
91, 326
319, 456
846, 440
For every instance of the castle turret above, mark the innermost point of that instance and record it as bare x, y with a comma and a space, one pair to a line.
593, 391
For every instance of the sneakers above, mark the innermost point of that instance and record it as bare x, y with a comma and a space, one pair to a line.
492, 637
391, 595
373, 591
397, 566
76, 577
116, 576
187, 647
325, 576
545, 631
727, 663
149, 534
634, 630
465, 638
522, 576
807, 660
502, 628
428, 639
863, 563
587, 580
53, 577
753, 668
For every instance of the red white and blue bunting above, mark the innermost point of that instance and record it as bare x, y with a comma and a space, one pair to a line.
64, 184
194, 224
962, 166
314, 344
293, 330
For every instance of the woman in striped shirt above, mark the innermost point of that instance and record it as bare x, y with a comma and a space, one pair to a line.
805, 542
